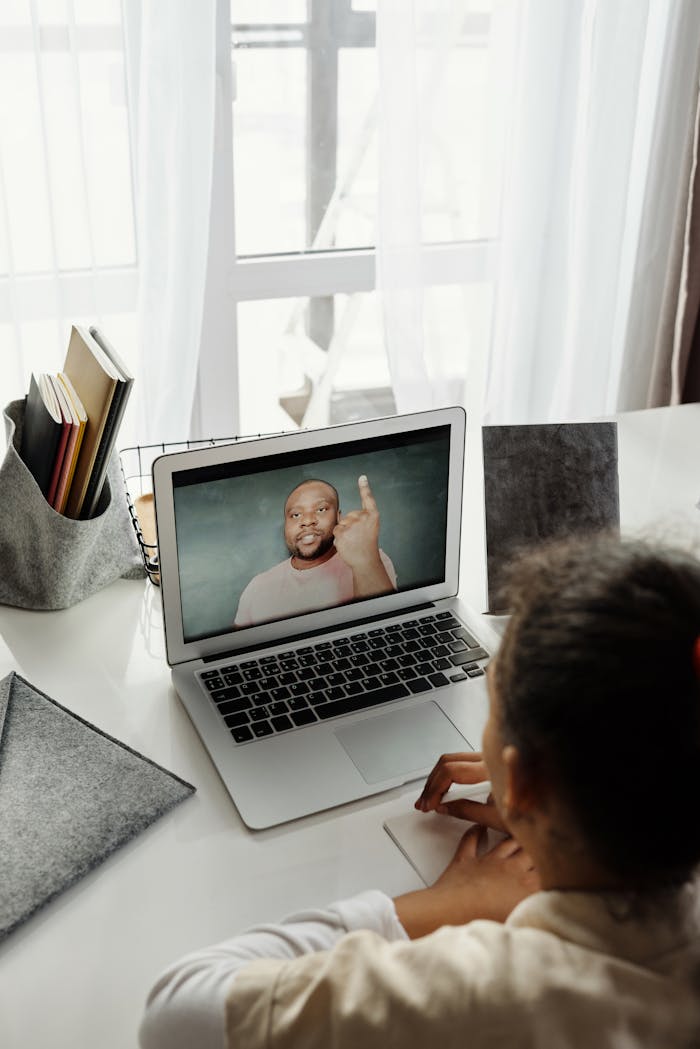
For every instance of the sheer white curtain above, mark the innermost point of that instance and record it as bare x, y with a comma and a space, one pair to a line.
67, 251
171, 59
580, 85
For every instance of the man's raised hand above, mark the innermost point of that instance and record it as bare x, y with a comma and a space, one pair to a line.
357, 533
356, 538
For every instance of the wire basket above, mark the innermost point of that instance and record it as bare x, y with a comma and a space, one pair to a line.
136, 464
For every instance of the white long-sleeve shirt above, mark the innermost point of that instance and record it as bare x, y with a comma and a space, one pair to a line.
186, 1007
567, 969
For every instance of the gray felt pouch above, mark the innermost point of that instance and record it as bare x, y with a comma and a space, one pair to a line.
49, 561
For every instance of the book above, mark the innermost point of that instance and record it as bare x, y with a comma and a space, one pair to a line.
79, 419
42, 431
67, 417
95, 379
116, 413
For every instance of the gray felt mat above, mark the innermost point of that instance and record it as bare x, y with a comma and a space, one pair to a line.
69, 796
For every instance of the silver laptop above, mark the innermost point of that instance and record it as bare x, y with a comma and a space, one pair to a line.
309, 587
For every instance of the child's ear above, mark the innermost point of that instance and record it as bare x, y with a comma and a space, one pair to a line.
520, 794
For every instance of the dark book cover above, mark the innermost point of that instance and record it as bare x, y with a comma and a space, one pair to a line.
542, 482
111, 429
41, 433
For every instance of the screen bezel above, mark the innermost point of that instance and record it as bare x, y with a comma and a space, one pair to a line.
178, 650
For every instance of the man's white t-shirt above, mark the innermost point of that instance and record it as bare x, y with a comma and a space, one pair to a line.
284, 591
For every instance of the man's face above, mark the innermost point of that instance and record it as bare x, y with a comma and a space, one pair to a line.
310, 515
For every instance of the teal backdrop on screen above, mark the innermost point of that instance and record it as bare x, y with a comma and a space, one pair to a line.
229, 530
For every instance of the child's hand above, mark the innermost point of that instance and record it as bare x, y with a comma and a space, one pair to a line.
474, 885
459, 768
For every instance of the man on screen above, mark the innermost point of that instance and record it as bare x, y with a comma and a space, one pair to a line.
335, 557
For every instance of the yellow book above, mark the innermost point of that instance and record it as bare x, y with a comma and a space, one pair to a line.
95, 379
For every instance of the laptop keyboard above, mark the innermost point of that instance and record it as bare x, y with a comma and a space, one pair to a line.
276, 693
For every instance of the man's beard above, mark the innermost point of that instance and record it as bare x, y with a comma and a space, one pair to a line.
312, 553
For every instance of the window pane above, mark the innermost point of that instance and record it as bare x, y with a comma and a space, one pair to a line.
273, 343
305, 127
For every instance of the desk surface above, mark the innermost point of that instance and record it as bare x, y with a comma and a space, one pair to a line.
76, 974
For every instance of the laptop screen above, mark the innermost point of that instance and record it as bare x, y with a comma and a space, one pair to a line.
264, 540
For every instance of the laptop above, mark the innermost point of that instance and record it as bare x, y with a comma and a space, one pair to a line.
309, 586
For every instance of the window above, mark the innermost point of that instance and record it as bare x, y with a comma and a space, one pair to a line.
305, 198
67, 241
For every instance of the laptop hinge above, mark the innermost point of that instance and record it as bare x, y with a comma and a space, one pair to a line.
292, 640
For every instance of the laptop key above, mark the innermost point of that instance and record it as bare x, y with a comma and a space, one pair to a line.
242, 735
369, 699
262, 728
259, 714
236, 720
406, 673
249, 688
232, 706
475, 673
419, 684
206, 674
213, 683
442, 664
458, 677
226, 693
437, 679
280, 723
457, 659
354, 688
466, 636
298, 703
303, 717
299, 688
278, 708
306, 674
280, 693
234, 678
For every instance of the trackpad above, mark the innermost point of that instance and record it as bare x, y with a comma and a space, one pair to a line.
401, 742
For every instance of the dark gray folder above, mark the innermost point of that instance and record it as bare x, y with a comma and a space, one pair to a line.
545, 481
70, 795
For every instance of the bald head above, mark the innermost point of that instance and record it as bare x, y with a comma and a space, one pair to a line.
310, 515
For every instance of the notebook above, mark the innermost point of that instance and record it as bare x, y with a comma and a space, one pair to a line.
309, 586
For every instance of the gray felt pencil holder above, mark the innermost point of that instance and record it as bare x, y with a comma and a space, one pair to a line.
48, 561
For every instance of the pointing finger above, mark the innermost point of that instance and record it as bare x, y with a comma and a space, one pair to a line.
366, 497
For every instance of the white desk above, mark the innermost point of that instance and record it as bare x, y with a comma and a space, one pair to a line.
75, 975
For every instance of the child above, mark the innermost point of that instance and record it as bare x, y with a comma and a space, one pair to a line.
581, 928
